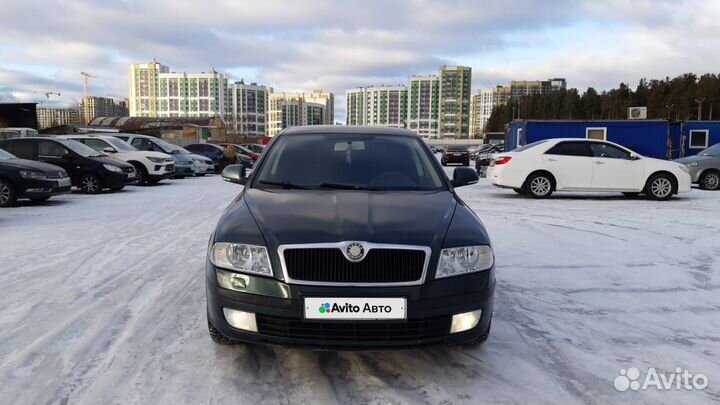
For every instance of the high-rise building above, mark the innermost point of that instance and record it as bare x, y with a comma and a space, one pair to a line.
423, 105
193, 95
487, 99
92, 107
295, 109
378, 106
454, 114
249, 106
52, 117
325, 98
143, 81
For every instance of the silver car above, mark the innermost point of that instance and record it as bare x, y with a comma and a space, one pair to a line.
704, 167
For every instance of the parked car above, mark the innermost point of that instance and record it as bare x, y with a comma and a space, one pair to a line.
571, 164
150, 167
90, 170
254, 147
241, 150
455, 154
201, 164
37, 181
366, 247
704, 167
209, 150
485, 155
184, 166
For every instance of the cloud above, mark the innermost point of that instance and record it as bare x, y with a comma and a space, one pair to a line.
303, 45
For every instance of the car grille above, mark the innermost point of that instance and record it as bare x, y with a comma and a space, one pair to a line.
170, 168
378, 266
415, 329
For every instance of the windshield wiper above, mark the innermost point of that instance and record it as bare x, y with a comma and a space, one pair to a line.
284, 184
339, 186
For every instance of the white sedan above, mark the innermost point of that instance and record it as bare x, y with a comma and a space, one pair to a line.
570, 164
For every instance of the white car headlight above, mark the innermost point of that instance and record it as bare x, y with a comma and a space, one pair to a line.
463, 260
241, 257
112, 168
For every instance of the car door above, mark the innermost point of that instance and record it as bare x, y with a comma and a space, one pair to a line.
571, 164
55, 153
615, 168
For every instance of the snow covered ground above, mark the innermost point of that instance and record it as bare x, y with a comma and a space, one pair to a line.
103, 302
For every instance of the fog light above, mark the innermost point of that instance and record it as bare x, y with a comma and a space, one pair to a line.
241, 320
466, 321
34, 190
231, 280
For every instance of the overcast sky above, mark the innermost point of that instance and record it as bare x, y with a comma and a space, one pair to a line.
340, 44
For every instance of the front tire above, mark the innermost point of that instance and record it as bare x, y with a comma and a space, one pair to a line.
539, 185
660, 187
7, 194
217, 336
710, 180
90, 184
141, 173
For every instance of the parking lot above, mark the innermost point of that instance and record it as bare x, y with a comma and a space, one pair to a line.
103, 302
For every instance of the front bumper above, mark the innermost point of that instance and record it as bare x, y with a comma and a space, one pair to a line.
44, 188
113, 179
184, 170
281, 320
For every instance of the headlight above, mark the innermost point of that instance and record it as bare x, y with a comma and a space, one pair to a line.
155, 159
241, 257
29, 174
463, 260
112, 168
692, 164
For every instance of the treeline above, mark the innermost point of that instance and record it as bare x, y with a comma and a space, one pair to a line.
679, 98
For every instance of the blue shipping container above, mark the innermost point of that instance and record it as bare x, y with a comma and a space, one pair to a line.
653, 138
698, 135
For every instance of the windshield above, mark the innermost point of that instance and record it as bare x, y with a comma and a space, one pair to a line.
6, 155
347, 161
167, 147
81, 149
254, 148
120, 146
711, 151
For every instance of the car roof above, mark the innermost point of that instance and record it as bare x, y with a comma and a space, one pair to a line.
346, 129
38, 138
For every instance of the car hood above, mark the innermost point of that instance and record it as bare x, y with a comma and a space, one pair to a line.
696, 158
23, 164
111, 161
318, 216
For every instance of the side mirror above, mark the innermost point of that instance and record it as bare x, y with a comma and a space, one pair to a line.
634, 156
235, 174
109, 150
463, 176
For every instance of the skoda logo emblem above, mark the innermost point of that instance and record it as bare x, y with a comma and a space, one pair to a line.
355, 252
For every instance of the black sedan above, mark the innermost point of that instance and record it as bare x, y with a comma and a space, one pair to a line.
368, 247
456, 154
37, 181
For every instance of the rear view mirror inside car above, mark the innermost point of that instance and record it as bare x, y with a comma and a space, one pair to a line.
346, 146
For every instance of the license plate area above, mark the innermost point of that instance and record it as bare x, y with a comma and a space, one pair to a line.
64, 182
355, 308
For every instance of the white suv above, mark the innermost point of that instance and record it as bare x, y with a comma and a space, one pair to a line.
151, 167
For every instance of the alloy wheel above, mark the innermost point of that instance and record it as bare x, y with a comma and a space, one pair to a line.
89, 184
540, 186
4, 193
711, 181
661, 187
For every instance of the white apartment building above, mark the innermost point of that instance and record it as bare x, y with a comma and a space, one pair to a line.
297, 109
423, 105
193, 95
483, 104
143, 82
377, 106
249, 106
52, 117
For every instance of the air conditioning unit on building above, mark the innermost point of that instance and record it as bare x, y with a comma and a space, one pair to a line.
637, 113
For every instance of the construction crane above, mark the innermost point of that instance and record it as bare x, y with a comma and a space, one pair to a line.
86, 76
47, 94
